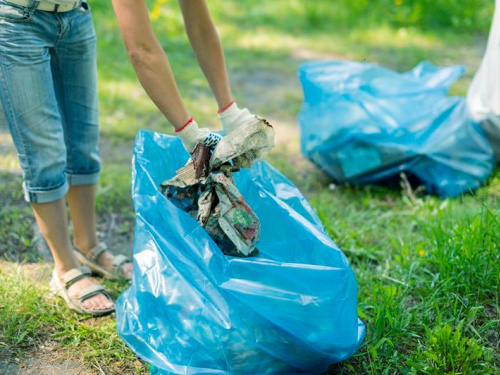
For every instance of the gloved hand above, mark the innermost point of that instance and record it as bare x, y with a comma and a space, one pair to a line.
251, 137
233, 117
191, 135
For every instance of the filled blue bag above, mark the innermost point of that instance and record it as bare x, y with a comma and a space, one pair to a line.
361, 124
193, 310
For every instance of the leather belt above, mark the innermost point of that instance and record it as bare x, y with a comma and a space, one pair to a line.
48, 7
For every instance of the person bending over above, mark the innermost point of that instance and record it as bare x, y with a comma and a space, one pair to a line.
153, 69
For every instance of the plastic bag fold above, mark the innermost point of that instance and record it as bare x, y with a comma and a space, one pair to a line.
364, 124
193, 310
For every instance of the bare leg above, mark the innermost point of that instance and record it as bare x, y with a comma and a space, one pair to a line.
53, 223
81, 201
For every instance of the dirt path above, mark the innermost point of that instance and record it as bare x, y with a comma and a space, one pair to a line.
41, 363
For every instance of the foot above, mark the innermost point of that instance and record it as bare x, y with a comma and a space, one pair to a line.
99, 255
97, 302
106, 260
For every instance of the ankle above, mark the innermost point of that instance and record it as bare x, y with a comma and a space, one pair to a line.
63, 267
86, 245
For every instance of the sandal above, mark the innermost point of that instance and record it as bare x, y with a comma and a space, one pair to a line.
75, 303
90, 258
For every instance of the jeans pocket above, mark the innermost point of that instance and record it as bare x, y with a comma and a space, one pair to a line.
13, 13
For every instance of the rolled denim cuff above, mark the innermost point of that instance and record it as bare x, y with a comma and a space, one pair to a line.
83, 179
45, 196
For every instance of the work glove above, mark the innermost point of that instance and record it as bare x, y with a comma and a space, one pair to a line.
191, 136
233, 117
249, 137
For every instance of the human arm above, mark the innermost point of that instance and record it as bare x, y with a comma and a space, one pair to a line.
207, 47
149, 59
153, 70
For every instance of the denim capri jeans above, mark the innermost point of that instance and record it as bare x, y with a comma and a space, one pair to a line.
48, 90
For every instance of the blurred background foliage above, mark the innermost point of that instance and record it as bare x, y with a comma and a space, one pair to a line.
461, 15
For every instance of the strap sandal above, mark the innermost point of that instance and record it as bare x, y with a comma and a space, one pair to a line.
75, 303
90, 259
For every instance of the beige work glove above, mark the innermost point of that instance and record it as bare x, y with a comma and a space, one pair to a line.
191, 135
249, 138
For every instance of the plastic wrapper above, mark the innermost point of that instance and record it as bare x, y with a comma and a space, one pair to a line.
193, 310
483, 96
363, 124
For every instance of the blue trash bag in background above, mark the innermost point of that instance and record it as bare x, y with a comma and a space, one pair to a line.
193, 310
361, 124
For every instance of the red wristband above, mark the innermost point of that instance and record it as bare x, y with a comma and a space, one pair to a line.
183, 126
223, 109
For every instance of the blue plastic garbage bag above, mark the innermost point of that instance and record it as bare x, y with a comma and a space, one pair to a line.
193, 310
362, 124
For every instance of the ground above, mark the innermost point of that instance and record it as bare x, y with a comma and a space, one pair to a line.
427, 267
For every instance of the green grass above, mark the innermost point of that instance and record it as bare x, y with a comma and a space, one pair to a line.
423, 265
427, 267
30, 317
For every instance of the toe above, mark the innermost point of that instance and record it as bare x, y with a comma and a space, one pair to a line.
89, 304
104, 303
99, 301
109, 304
127, 270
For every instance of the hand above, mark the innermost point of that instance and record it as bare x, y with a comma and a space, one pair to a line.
191, 136
212, 139
233, 117
251, 137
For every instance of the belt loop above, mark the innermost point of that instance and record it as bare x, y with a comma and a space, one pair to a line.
30, 8
56, 8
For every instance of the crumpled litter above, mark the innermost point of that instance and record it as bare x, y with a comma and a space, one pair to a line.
205, 189
245, 145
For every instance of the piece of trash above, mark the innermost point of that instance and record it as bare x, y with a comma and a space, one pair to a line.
192, 310
245, 145
204, 188
364, 124
213, 200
